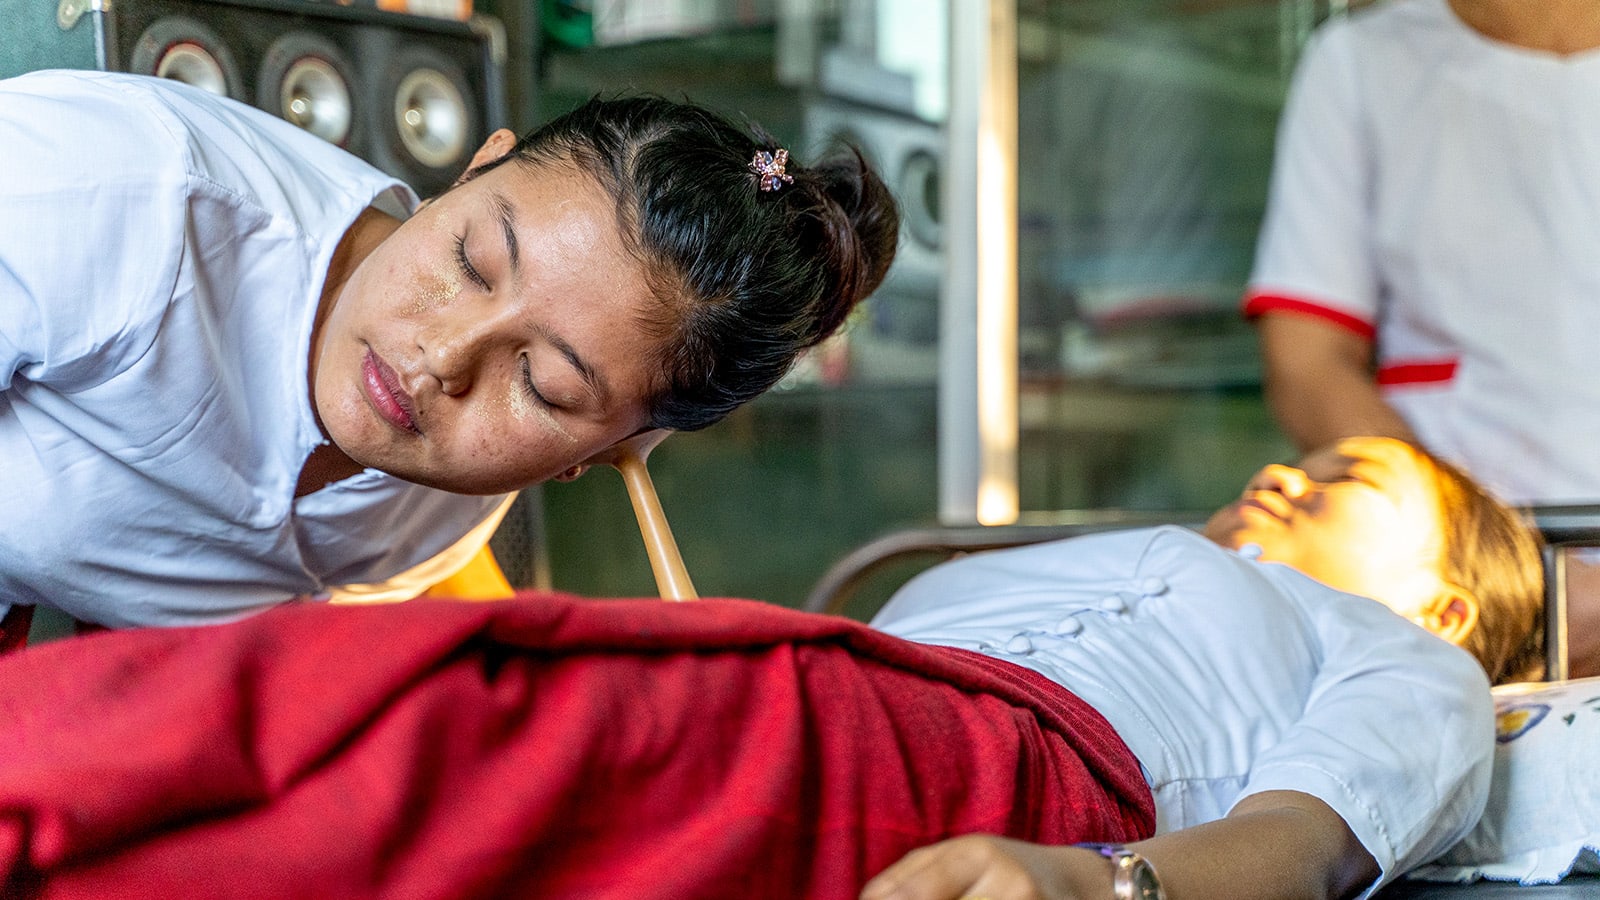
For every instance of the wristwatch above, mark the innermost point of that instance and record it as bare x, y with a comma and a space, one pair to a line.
1133, 878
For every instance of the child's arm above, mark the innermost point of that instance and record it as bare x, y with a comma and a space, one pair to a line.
1278, 845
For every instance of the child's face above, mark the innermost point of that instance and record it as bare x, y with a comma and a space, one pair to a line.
493, 340
1361, 516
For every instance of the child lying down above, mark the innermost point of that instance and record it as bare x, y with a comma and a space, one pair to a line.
1230, 727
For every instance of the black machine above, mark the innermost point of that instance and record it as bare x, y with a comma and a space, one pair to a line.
413, 95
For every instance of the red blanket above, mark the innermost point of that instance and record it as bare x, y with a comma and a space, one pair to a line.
544, 746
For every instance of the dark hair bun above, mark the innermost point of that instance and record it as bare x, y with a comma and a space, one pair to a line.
860, 233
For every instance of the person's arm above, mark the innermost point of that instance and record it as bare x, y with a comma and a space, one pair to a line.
1319, 382
1316, 281
1277, 845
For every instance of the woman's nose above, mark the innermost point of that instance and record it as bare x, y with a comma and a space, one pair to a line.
1286, 480
452, 356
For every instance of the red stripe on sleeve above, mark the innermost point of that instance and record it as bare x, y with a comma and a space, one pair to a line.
1417, 372
1259, 304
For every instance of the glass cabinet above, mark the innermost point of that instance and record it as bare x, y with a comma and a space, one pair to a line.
763, 502
1145, 142
1143, 146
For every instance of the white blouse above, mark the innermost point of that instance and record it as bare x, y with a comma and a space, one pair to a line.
1227, 677
162, 252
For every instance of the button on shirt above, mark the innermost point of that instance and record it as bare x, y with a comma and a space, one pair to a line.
162, 253
1227, 677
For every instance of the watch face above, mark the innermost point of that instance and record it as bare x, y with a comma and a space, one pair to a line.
1145, 884
1141, 883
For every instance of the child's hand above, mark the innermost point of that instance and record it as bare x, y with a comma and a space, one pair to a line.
993, 868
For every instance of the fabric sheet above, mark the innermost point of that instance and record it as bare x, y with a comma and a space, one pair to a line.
1543, 820
541, 746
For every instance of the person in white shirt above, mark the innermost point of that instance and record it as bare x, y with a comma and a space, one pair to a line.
1275, 715
1426, 266
1253, 730
240, 366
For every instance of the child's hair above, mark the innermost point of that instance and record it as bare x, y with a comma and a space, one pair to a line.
747, 278
1492, 552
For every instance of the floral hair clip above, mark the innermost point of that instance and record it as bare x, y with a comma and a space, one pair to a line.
770, 167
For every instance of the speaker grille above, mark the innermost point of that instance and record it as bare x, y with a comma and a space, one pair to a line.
413, 95
186, 49
307, 79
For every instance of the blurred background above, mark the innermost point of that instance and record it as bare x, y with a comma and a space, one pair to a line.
1143, 140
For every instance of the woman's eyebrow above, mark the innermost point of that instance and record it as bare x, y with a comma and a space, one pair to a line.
591, 377
508, 226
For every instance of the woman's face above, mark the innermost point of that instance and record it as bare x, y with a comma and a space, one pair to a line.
491, 341
1361, 516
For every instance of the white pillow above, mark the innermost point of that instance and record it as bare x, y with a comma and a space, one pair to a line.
1543, 819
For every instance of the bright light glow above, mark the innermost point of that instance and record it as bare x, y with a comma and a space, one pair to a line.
997, 274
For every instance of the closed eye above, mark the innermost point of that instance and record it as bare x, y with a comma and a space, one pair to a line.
465, 264
530, 387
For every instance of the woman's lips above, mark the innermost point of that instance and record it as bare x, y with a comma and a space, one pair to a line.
388, 398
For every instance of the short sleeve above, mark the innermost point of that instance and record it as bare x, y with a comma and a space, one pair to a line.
1397, 736
1314, 254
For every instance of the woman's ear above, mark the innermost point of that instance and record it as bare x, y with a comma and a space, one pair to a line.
498, 145
1453, 615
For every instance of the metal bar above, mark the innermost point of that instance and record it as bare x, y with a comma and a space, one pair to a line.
1555, 613
978, 306
1562, 527
845, 577
1577, 525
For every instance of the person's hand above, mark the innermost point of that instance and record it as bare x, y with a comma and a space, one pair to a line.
993, 868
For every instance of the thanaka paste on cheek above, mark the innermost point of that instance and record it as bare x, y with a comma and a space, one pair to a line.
523, 408
443, 280
433, 293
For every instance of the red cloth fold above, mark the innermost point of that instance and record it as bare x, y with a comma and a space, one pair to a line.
14, 627
544, 746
